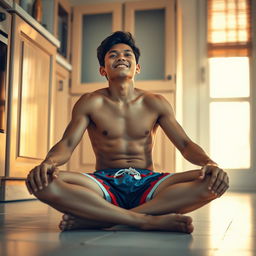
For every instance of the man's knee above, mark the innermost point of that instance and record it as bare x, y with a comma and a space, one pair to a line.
51, 193
204, 192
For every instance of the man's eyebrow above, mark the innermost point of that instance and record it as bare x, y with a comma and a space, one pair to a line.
115, 51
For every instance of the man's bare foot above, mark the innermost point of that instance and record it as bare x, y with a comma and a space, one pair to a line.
70, 222
170, 222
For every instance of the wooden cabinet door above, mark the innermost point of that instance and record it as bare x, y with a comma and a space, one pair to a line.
153, 25
33, 74
91, 24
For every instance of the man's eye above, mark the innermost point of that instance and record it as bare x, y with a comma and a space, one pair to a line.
112, 55
128, 54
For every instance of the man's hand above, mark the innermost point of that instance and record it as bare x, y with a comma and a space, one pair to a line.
40, 176
219, 181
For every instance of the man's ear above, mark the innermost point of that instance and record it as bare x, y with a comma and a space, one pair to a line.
102, 71
137, 68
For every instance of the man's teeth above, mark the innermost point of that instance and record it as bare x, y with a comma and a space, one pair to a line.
121, 65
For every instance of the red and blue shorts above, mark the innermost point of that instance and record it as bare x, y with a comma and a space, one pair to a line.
128, 188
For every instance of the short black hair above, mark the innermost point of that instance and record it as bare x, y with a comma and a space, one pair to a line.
118, 37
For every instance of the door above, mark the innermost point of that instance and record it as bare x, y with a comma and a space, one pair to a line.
153, 25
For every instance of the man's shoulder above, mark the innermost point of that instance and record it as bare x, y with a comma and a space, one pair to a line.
91, 100
152, 98
156, 102
94, 96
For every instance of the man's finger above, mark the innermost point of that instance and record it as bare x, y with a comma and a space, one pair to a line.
28, 187
222, 184
225, 187
31, 182
44, 176
55, 173
37, 178
218, 182
213, 178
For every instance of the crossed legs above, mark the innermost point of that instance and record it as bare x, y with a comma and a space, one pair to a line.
76, 195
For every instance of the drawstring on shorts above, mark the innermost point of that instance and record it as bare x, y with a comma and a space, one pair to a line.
130, 171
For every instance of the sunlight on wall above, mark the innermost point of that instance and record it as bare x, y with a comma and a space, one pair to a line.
230, 112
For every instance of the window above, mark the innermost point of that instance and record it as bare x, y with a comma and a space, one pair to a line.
229, 51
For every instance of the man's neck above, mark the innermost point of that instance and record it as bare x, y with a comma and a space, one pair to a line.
121, 91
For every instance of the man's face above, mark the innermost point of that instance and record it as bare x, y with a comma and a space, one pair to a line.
120, 62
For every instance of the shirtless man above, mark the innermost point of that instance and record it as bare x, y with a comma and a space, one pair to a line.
122, 121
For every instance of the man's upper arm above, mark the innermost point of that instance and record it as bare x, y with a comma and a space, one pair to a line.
170, 126
78, 124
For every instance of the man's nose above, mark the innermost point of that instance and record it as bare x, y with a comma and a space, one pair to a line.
121, 57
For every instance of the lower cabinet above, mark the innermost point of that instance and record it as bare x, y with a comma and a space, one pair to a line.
31, 106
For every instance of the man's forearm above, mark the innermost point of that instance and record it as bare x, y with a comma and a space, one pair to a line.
196, 155
59, 154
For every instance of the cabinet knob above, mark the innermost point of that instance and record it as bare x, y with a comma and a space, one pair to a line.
169, 77
2, 16
60, 85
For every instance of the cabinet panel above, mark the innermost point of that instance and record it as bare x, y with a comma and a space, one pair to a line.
102, 23
149, 31
32, 70
34, 101
103, 18
153, 25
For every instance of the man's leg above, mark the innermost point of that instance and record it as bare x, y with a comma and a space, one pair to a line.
180, 193
86, 202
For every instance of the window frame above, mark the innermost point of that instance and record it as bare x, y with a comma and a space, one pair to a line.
204, 93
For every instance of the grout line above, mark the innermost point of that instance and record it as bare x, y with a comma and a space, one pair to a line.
95, 239
227, 229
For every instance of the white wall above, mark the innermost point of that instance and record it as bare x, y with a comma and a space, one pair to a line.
190, 67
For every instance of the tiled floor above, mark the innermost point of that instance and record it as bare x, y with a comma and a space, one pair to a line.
225, 227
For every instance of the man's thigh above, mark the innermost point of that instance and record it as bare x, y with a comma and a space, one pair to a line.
179, 177
79, 179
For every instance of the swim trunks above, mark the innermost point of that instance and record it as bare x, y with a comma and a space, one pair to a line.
128, 188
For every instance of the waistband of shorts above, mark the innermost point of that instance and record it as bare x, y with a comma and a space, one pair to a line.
114, 170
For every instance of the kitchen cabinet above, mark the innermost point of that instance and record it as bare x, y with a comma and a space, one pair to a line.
33, 72
31, 115
153, 25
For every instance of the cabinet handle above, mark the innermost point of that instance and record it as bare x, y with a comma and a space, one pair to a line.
60, 85
169, 77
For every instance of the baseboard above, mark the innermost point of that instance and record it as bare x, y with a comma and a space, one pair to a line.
13, 189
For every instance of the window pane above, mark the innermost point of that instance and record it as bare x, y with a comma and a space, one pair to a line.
96, 27
230, 134
229, 77
149, 34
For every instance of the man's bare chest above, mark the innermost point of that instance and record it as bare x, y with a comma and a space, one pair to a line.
130, 122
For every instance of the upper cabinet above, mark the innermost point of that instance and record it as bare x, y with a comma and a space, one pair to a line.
153, 25
91, 24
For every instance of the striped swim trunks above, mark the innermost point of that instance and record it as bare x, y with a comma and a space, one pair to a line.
128, 188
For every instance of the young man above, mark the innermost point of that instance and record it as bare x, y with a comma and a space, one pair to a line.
122, 121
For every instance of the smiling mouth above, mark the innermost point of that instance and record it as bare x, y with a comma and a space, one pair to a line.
121, 65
